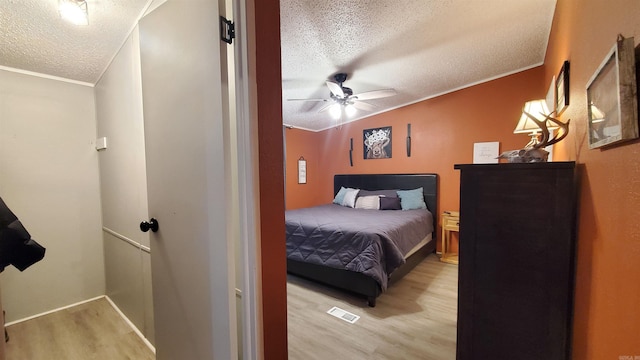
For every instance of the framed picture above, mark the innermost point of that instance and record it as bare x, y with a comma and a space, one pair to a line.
486, 152
550, 99
302, 170
611, 97
562, 89
377, 143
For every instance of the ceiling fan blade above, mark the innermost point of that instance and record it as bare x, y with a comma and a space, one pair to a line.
307, 99
326, 107
375, 94
363, 106
335, 89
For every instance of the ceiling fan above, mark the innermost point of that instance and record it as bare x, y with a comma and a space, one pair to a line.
343, 98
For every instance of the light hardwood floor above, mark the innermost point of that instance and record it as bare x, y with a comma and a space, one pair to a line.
414, 319
92, 330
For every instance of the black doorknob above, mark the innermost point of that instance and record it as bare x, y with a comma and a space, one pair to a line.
151, 225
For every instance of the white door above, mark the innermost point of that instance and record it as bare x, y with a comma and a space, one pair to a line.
191, 253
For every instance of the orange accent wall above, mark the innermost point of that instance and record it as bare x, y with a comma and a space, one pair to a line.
606, 314
443, 131
301, 143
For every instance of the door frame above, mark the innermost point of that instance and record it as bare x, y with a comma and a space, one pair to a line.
247, 185
261, 169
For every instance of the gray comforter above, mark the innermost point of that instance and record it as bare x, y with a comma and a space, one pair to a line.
372, 242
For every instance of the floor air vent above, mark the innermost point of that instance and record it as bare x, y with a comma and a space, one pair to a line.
343, 314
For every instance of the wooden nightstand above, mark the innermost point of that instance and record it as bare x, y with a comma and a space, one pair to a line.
450, 223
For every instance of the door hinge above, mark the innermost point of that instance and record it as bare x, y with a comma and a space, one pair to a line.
227, 30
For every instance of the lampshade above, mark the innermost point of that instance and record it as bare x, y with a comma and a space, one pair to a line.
536, 108
74, 11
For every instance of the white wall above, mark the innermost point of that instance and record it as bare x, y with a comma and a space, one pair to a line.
124, 186
49, 179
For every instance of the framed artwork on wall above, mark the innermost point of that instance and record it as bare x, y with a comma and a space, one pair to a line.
562, 89
550, 99
377, 143
612, 97
302, 170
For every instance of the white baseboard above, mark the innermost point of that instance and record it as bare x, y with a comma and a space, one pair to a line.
135, 329
113, 305
52, 311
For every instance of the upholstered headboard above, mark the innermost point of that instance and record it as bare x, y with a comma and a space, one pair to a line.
429, 183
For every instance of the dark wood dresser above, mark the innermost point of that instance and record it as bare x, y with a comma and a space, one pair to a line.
516, 261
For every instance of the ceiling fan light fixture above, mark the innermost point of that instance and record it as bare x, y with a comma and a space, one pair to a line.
343, 103
335, 111
74, 11
350, 110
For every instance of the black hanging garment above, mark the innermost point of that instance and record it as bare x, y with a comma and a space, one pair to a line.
17, 248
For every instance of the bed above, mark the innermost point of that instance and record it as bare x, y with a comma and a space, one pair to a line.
351, 249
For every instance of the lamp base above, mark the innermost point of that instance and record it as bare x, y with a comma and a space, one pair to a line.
535, 140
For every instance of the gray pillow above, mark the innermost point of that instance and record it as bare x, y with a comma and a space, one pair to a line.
390, 203
385, 193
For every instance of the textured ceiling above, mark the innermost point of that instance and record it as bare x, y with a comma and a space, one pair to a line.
35, 38
420, 48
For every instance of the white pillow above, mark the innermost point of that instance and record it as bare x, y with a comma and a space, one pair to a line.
371, 202
350, 198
